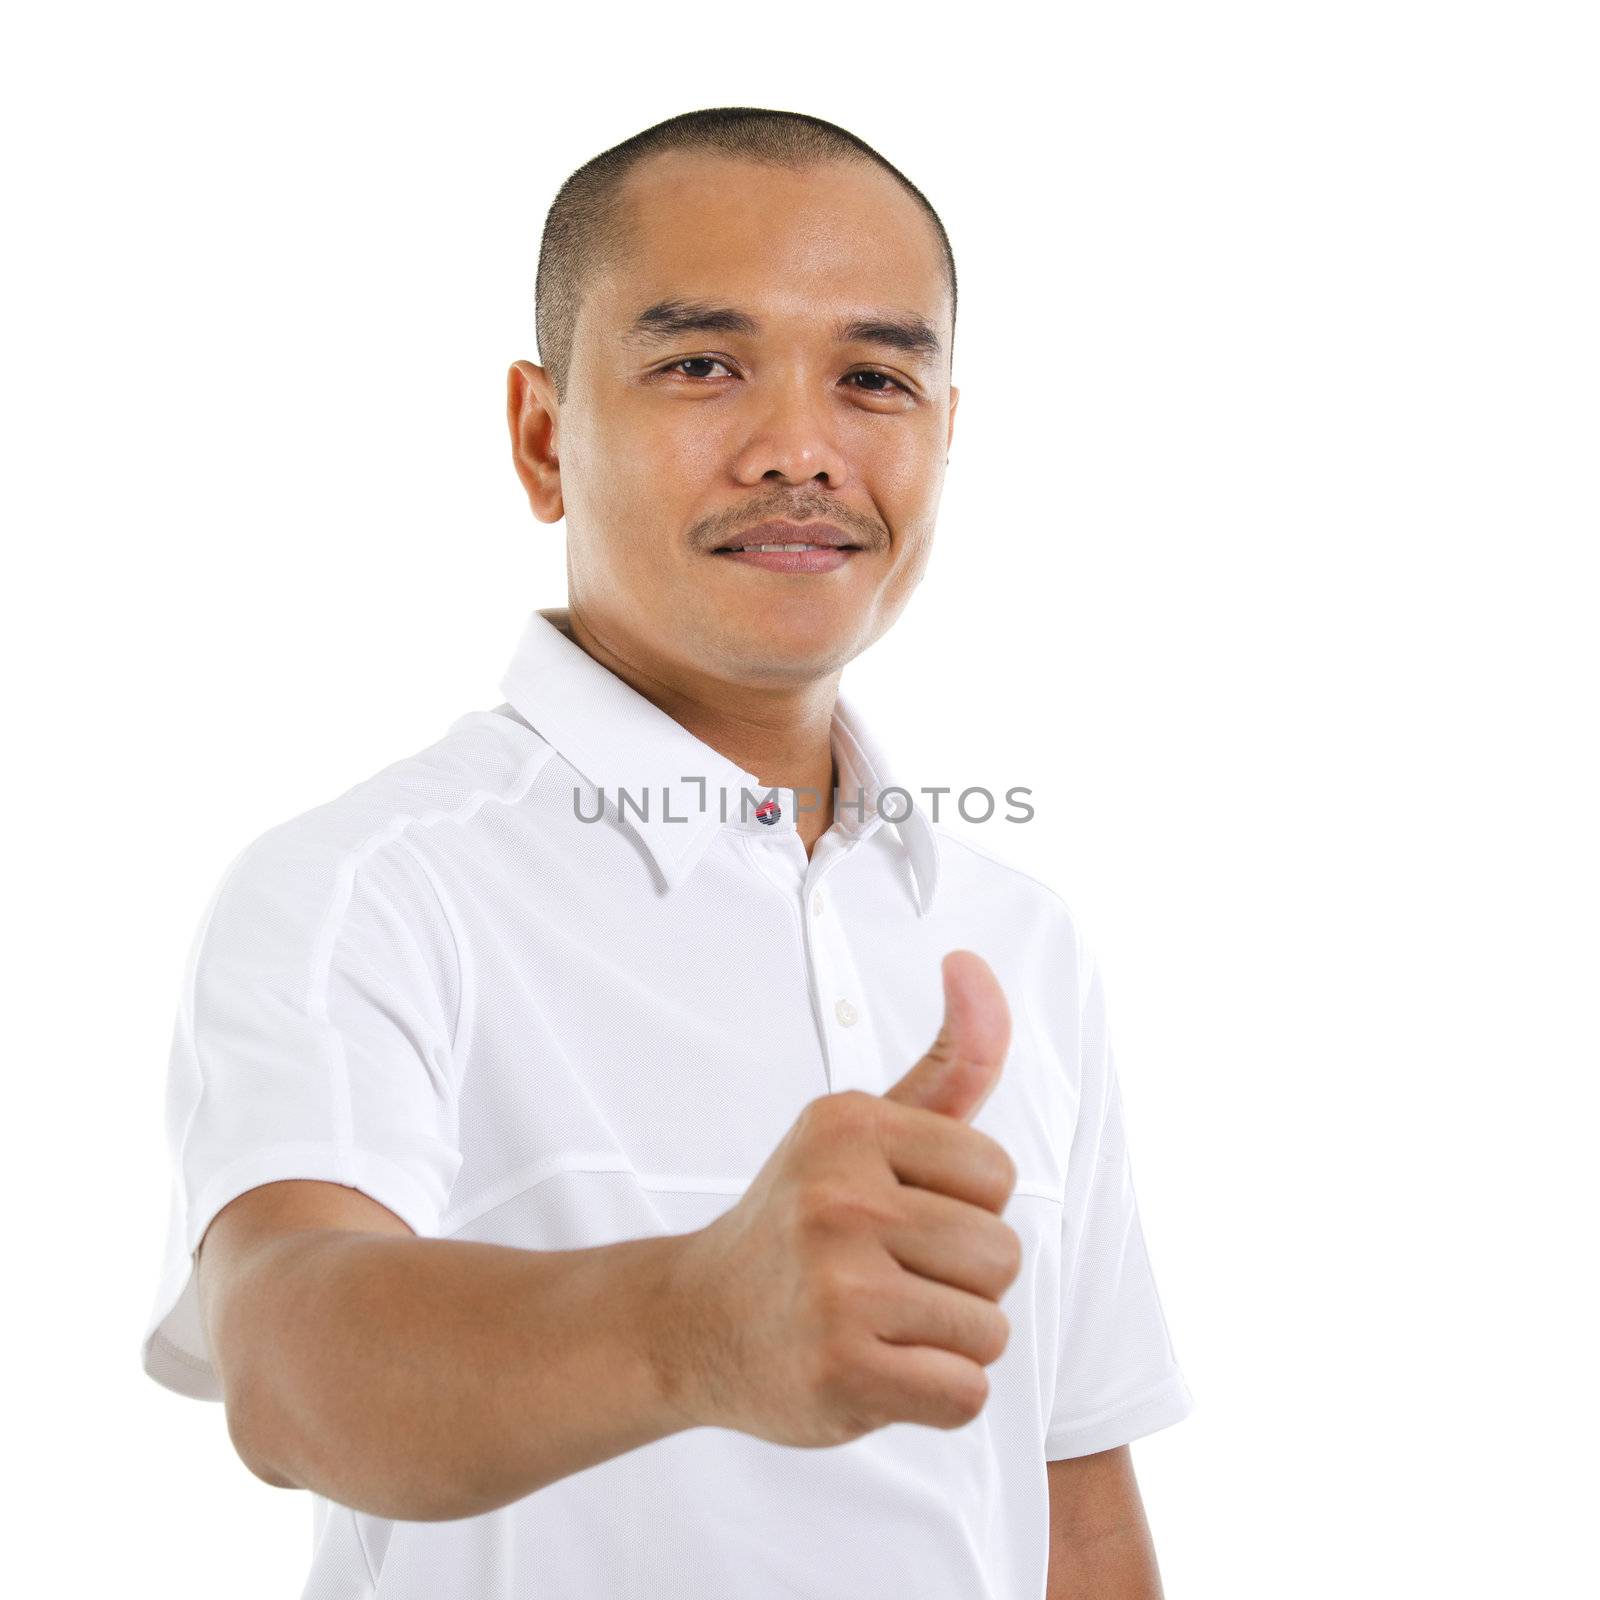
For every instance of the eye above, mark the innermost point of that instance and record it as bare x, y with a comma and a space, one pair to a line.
886, 378
691, 361
886, 383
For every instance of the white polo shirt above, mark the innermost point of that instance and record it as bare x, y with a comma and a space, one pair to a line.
507, 1023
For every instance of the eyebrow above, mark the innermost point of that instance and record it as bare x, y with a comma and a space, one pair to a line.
906, 332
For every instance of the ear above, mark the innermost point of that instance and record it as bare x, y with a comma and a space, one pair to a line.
532, 414
955, 397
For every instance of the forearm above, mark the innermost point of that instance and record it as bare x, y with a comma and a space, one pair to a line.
1100, 1545
1118, 1564
429, 1379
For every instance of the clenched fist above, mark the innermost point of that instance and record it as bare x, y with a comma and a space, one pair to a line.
856, 1281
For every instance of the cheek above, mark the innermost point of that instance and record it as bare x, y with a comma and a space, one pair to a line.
908, 472
630, 493
653, 464
909, 571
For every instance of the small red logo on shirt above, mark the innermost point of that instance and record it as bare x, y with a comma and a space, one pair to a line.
768, 811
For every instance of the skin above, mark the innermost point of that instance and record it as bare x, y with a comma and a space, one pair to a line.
664, 448
656, 456
1100, 1545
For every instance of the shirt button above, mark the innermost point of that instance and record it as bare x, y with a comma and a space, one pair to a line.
845, 1012
816, 903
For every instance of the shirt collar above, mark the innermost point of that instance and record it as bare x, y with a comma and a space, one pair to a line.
617, 739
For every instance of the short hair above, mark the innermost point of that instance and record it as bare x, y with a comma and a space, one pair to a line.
586, 226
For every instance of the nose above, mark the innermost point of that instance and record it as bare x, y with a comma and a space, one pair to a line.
791, 438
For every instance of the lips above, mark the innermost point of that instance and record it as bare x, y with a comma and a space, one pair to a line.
823, 534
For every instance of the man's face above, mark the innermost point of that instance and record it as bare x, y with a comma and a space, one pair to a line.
676, 440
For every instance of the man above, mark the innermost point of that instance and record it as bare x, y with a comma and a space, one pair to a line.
567, 1191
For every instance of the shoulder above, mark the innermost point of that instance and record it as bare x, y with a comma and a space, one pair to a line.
970, 863
381, 827
1035, 916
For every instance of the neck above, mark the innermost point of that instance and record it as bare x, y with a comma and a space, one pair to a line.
783, 735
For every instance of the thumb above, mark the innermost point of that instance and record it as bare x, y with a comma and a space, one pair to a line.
963, 1064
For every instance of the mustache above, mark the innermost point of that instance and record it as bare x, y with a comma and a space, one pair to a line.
869, 535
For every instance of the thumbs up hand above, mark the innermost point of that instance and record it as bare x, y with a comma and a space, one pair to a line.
856, 1281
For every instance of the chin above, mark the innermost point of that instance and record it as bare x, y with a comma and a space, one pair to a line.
798, 629
783, 651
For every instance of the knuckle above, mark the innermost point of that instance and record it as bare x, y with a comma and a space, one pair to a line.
833, 1210
848, 1107
846, 1120
992, 1168
1013, 1255
969, 1395
813, 1114
1003, 1170
836, 1299
1009, 1254
996, 1335
829, 1296
830, 1372
1005, 1336
836, 1383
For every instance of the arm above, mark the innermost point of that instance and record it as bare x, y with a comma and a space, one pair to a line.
1100, 1546
425, 1379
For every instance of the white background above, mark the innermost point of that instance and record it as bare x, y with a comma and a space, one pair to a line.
1265, 560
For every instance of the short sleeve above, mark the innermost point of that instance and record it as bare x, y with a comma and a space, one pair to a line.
314, 1039
1116, 1375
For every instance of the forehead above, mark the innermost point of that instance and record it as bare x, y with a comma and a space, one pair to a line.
836, 234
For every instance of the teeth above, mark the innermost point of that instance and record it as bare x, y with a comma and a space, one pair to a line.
786, 547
